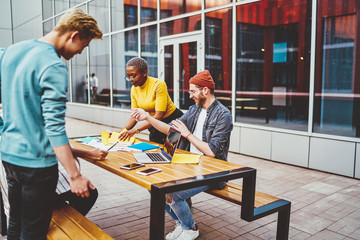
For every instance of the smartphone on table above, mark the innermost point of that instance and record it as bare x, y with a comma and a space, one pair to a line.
149, 171
132, 166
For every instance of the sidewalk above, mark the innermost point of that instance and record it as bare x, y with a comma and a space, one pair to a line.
324, 206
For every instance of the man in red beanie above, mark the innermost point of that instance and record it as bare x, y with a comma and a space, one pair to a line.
206, 129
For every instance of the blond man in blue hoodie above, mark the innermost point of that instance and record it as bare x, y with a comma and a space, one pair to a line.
34, 81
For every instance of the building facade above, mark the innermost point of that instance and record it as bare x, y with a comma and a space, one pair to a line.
288, 70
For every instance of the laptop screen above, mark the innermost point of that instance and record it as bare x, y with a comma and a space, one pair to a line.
171, 142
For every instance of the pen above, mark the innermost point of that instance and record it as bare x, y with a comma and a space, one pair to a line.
112, 146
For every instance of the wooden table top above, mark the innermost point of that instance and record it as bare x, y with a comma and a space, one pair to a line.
170, 172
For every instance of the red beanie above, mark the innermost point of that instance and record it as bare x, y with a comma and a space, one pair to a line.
203, 79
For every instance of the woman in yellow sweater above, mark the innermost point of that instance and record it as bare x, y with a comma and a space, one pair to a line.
151, 95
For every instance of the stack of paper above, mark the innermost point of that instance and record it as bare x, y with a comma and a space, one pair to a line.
108, 138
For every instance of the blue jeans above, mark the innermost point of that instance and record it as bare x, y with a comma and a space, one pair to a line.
179, 210
31, 196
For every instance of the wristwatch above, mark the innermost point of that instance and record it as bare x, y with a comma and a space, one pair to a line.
137, 131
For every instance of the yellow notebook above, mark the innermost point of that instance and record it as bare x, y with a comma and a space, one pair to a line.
185, 158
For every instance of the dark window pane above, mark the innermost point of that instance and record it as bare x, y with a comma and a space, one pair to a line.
218, 52
273, 63
182, 25
125, 47
99, 65
337, 80
124, 14
149, 49
169, 8
148, 11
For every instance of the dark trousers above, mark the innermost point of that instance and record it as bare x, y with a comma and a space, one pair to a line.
82, 205
159, 137
31, 196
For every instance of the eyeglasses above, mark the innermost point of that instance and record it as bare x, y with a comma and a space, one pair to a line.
192, 92
129, 78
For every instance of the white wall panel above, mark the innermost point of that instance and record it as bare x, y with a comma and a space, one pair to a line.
357, 163
255, 142
25, 11
332, 156
6, 38
289, 148
235, 140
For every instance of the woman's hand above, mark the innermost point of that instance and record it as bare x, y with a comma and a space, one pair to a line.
124, 135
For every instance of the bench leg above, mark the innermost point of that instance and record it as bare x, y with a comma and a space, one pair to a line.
283, 223
3, 217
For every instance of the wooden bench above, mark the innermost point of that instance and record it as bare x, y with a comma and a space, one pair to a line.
66, 223
264, 204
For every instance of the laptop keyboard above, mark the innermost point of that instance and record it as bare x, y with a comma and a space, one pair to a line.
155, 157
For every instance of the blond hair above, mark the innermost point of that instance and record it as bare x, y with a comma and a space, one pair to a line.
77, 20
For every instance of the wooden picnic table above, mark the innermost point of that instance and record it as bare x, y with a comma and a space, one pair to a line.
176, 177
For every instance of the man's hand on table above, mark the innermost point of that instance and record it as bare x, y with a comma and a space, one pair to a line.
97, 154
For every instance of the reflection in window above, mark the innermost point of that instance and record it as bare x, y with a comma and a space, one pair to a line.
148, 11
61, 6
75, 2
182, 25
337, 88
99, 65
218, 52
79, 78
177, 7
187, 69
123, 15
99, 9
216, 3
122, 52
149, 49
272, 63
47, 26
169, 69
47, 8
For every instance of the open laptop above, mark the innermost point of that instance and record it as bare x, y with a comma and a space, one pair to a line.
166, 154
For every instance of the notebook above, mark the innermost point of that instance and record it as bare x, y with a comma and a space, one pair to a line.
166, 154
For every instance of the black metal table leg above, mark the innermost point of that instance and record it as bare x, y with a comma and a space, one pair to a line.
157, 214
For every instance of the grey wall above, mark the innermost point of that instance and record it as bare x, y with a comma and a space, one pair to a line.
26, 19
5, 24
19, 20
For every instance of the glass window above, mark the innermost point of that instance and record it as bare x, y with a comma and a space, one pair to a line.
100, 72
218, 52
187, 69
182, 25
61, 6
79, 78
124, 14
148, 11
215, 3
149, 46
273, 63
47, 26
124, 47
75, 2
337, 79
169, 8
99, 9
47, 8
